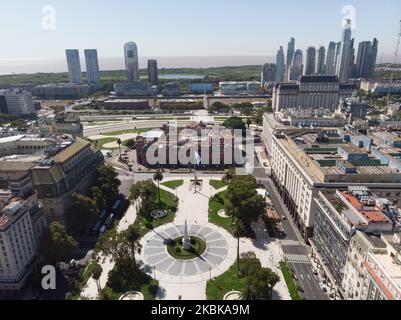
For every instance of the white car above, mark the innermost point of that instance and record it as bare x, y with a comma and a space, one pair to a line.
323, 287
315, 272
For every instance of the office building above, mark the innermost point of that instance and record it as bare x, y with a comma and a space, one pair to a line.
345, 64
305, 161
92, 68
200, 88
290, 55
22, 224
268, 73
74, 66
61, 91
153, 72
16, 102
366, 59
310, 62
59, 166
131, 61
380, 86
320, 61
280, 65
133, 89
296, 69
338, 214
331, 59
311, 92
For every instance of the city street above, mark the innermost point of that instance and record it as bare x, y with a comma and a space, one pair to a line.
295, 250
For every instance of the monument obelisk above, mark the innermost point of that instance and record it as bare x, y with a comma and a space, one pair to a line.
186, 241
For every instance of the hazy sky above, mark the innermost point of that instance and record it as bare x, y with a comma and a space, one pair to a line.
188, 27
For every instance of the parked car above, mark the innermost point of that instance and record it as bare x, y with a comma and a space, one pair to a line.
315, 272
323, 287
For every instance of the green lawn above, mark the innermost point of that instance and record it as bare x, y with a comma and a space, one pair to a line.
147, 223
101, 142
173, 184
289, 279
216, 204
120, 132
228, 281
217, 184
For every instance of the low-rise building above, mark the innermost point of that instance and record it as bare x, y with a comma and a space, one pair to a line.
61, 91
68, 123
232, 88
382, 275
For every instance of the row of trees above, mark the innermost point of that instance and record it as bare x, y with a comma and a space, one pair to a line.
86, 208
244, 205
259, 282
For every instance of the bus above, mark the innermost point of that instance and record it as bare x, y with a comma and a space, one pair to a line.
96, 228
109, 221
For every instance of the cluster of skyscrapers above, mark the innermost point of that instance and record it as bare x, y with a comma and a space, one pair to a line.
339, 60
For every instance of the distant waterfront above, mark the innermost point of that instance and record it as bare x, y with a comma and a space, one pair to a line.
8, 66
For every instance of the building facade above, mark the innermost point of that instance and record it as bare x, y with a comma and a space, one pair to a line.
74, 66
153, 75
16, 102
131, 61
92, 68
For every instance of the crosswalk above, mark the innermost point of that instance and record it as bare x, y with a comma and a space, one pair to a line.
290, 243
299, 258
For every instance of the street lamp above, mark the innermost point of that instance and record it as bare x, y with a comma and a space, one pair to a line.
210, 273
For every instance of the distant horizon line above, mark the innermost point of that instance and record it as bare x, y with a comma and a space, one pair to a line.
58, 65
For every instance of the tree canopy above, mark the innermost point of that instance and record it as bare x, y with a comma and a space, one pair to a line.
83, 213
234, 123
56, 244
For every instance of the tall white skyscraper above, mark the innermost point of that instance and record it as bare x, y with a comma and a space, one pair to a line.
310, 62
290, 56
280, 65
74, 66
320, 61
347, 56
92, 67
131, 61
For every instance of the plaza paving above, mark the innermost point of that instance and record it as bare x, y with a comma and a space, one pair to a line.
187, 280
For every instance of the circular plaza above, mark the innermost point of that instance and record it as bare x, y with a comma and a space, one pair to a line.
217, 257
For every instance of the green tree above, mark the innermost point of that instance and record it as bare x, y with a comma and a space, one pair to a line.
218, 107
237, 234
56, 244
230, 174
145, 191
132, 237
108, 183
83, 213
158, 176
234, 123
119, 142
98, 197
96, 274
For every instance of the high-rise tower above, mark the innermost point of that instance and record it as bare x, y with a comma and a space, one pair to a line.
310, 62
280, 64
92, 67
131, 61
74, 66
320, 61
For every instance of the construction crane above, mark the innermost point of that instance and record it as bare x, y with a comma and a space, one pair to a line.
397, 50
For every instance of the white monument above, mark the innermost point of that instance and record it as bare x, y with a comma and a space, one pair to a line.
186, 241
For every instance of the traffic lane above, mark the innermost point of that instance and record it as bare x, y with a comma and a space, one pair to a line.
308, 281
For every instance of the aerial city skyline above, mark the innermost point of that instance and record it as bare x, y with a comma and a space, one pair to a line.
276, 178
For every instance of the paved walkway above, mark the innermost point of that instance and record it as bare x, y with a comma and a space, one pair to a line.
90, 290
186, 280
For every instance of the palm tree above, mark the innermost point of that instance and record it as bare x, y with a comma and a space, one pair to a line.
96, 273
158, 176
237, 234
119, 142
132, 237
